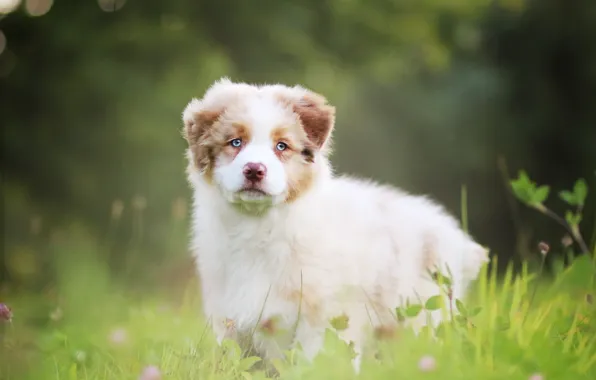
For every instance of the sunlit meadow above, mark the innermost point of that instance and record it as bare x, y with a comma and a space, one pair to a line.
524, 324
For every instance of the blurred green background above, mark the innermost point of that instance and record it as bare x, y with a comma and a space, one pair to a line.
430, 95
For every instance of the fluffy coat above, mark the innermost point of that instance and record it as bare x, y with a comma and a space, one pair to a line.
283, 243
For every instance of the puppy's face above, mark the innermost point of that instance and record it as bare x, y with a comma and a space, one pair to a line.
257, 144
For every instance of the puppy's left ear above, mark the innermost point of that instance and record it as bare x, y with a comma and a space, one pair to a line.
317, 117
198, 120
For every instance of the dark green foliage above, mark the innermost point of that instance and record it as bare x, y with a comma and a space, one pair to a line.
432, 91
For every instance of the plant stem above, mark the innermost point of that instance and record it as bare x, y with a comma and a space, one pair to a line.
573, 231
514, 206
464, 208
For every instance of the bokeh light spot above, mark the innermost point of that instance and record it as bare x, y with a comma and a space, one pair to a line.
111, 5
7, 6
38, 7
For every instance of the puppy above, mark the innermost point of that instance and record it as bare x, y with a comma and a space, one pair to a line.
283, 245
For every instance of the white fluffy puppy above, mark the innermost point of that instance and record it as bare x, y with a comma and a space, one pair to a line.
278, 237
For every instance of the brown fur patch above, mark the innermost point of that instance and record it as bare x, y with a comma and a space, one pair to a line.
298, 185
202, 121
195, 130
300, 176
317, 118
229, 133
283, 134
310, 305
214, 143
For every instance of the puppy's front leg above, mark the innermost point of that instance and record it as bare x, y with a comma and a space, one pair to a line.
223, 328
310, 338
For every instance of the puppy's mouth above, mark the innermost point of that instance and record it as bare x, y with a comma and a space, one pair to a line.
251, 191
252, 201
252, 194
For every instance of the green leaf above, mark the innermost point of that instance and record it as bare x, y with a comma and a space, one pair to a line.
461, 320
425, 332
461, 308
247, 363
540, 194
580, 190
572, 218
568, 197
231, 348
340, 323
434, 303
440, 330
440, 279
413, 310
503, 323
400, 314
475, 311
521, 190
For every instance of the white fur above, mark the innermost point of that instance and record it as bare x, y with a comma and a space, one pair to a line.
348, 246
263, 112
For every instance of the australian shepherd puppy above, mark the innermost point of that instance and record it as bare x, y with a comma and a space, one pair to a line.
280, 240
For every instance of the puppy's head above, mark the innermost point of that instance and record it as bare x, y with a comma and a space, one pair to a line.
260, 146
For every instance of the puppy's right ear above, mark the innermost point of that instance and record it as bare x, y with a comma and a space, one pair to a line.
198, 120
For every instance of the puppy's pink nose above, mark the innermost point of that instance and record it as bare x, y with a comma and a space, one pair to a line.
254, 171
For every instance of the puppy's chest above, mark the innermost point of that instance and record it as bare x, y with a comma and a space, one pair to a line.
259, 277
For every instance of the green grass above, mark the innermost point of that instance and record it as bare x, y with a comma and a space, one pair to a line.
101, 333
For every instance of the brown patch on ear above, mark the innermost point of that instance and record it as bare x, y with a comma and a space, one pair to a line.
200, 123
197, 127
317, 117
204, 159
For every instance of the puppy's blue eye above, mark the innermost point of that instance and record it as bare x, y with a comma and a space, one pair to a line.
236, 143
281, 146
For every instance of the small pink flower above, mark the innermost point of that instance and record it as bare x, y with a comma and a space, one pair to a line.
536, 376
427, 363
150, 373
5, 313
118, 336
